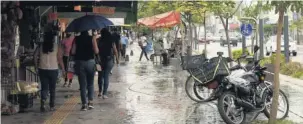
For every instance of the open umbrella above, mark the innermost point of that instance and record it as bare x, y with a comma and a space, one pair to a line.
88, 22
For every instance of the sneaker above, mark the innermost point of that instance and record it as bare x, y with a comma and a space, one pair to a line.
42, 109
52, 109
105, 97
100, 95
69, 85
64, 85
83, 108
90, 106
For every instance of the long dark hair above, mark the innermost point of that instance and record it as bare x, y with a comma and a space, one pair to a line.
106, 36
84, 33
48, 43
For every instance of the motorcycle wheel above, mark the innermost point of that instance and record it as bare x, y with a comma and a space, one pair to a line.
229, 111
206, 95
189, 86
268, 102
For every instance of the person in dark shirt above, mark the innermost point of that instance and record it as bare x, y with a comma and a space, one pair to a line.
116, 38
84, 49
108, 50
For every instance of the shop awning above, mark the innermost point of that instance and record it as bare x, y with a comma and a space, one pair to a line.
165, 20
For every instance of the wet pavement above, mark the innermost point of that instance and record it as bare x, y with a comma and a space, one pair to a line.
143, 93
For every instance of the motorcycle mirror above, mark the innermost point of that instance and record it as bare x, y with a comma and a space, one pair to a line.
256, 48
243, 55
219, 53
228, 59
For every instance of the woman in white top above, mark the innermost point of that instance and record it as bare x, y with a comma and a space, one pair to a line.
50, 57
142, 44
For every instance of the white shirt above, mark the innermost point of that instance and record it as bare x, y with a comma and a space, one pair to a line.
49, 61
143, 40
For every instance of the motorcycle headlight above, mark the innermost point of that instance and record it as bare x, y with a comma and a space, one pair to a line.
262, 78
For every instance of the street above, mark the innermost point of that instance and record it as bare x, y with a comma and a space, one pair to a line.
143, 93
215, 47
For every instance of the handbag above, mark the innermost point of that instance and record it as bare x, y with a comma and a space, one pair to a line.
98, 63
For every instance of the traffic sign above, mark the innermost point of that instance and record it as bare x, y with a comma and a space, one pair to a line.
246, 29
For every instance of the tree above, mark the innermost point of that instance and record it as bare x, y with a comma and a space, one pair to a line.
280, 7
225, 10
254, 11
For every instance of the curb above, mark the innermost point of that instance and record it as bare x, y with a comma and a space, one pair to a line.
289, 79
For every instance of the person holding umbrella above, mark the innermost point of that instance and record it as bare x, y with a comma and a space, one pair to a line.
84, 50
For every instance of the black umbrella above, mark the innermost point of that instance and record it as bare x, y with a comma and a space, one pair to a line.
88, 22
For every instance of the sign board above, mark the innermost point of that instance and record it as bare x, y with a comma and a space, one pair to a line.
52, 16
104, 10
246, 29
117, 21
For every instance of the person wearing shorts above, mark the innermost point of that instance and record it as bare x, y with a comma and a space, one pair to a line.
67, 44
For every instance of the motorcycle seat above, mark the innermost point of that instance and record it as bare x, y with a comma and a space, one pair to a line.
235, 68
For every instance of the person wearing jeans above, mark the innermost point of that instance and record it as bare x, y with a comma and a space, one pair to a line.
108, 51
84, 48
124, 41
48, 79
86, 73
103, 77
50, 54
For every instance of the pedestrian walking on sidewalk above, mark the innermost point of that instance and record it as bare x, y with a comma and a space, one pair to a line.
142, 45
124, 42
84, 49
67, 44
50, 54
108, 50
116, 37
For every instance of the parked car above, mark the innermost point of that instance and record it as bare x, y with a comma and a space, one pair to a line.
202, 40
233, 41
271, 45
214, 38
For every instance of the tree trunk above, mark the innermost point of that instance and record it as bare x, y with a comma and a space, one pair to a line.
196, 37
298, 37
205, 44
225, 24
252, 43
274, 107
190, 46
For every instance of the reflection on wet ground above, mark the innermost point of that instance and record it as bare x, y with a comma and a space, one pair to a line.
157, 96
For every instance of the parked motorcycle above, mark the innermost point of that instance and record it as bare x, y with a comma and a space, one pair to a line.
211, 88
247, 92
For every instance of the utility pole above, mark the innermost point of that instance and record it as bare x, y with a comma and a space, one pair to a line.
286, 38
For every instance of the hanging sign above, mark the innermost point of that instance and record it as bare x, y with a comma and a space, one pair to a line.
52, 16
77, 8
104, 10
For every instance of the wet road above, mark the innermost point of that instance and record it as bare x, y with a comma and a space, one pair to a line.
215, 47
